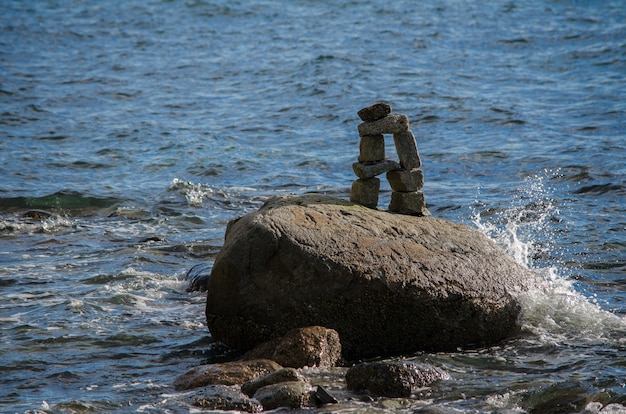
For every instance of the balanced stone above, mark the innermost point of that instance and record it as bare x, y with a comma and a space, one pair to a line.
372, 149
365, 192
372, 170
406, 180
375, 112
407, 149
391, 124
408, 203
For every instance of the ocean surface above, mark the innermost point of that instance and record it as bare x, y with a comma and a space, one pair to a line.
131, 132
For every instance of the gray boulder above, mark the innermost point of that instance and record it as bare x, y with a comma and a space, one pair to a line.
225, 373
389, 284
312, 346
292, 394
225, 398
393, 378
282, 375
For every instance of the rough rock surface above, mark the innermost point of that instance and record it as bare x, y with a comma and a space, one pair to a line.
392, 378
389, 284
292, 394
282, 375
225, 398
226, 373
312, 346
374, 112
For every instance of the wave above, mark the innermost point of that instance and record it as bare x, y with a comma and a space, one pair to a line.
66, 201
35, 221
600, 189
554, 311
228, 198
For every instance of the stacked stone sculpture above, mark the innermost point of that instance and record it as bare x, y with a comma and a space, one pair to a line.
405, 177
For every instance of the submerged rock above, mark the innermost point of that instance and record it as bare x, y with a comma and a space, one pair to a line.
392, 378
387, 283
37, 214
198, 277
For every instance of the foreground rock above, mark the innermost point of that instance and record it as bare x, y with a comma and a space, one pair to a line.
393, 378
225, 398
312, 346
389, 284
226, 373
293, 394
282, 375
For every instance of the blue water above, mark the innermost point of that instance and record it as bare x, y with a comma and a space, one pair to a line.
143, 127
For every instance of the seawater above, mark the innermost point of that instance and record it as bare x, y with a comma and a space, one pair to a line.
140, 128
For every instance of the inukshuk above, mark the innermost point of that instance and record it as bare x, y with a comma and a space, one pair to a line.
405, 178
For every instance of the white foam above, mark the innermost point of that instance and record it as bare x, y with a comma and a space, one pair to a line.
555, 309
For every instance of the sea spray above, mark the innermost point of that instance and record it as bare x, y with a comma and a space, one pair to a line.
556, 311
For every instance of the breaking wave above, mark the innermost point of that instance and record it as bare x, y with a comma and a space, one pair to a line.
556, 311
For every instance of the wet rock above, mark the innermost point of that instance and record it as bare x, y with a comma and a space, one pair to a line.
292, 394
264, 350
225, 398
313, 346
391, 124
198, 277
37, 214
375, 112
282, 375
392, 378
389, 284
227, 373
323, 397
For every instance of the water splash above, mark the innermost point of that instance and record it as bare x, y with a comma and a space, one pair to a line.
526, 231
524, 228
194, 193
21, 224
228, 197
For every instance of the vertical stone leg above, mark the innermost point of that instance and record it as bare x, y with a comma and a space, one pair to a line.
406, 180
407, 150
365, 192
372, 148
408, 203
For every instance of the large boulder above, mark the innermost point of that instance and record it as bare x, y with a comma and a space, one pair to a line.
387, 283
